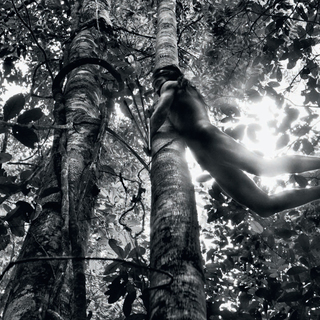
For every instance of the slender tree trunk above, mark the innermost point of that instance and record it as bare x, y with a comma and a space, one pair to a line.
175, 246
49, 289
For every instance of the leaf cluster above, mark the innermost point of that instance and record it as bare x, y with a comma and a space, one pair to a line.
272, 265
126, 280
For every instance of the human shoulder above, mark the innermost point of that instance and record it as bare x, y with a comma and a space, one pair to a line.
169, 85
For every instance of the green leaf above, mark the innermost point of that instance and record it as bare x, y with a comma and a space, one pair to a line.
3, 229
292, 256
284, 233
296, 145
229, 109
273, 84
137, 252
227, 119
304, 242
204, 178
8, 187
315, 273
292, 114
257, 8
282, 141
245, 299
22, 211
253, 81
127, 249
117, 288
312, 96
254, 95
5, 157
252, 131
300, 180
301, 130
4, 241
296, 270
315, 244
263, 293
112, 267
118, 250
30, 115
128, 301
279, 74
256, 227
25, 175
290, 297
301, 13
271, 241
115, 293
274, 43
215, 193
237, 132
108, 169
307, 147
17, 227
26, 136
13, 106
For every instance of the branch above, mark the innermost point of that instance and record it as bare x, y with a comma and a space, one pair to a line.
63, 258
133, 32
133, 118
133, 151
187, 26
137, 109
38, 127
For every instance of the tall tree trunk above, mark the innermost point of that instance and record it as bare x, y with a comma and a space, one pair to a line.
46, 289
175, 245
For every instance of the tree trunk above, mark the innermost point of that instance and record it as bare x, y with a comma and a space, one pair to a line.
46, 289
175, 246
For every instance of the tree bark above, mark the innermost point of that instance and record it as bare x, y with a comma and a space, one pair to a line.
47, 289
174, 245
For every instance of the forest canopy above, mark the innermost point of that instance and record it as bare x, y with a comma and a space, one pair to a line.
95, 59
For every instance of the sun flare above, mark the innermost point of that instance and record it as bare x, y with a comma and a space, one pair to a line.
262, 115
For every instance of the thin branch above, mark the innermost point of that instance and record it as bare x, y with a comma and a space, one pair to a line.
137, 109
142, 100
187, 26
135, 33
63, 258
134, 119
38, 127
126, 145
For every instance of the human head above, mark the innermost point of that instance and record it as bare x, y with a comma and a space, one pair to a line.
161, 75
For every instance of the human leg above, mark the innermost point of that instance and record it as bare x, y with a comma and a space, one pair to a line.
242, 189
291, 164
211, 145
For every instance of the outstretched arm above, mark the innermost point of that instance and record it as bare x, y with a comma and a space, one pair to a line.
165, 101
